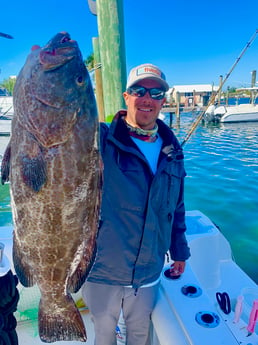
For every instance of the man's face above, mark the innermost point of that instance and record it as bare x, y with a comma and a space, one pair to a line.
143, 111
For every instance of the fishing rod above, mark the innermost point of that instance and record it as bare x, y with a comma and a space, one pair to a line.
212, 99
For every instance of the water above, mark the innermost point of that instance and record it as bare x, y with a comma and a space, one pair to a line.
222, 167
222, 173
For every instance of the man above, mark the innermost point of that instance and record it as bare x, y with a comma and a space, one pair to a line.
142, 214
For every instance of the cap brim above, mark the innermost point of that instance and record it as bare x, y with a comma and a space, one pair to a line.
162, 82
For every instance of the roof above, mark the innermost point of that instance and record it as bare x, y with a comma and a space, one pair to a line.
196, 88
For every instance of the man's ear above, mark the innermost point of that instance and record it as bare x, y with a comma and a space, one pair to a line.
125, 95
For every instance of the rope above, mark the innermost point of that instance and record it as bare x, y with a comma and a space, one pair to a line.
96, 66
212, 99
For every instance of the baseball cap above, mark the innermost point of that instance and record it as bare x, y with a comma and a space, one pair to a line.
146, 71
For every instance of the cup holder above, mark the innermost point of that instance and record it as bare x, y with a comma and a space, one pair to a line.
191, 290
207, 319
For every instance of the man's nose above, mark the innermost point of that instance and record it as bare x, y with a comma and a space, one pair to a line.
147, 96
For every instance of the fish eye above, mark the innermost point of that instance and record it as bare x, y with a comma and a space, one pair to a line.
65, 39
79, 80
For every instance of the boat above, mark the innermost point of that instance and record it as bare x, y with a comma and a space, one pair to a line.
5, 125
234, 113
213, 303
6, 114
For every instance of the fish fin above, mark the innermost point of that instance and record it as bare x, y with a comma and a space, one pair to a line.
34, 171
22, 269
78, 278
61, 323
5, 166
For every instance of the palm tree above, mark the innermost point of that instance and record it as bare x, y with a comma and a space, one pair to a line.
89, 62
8, 84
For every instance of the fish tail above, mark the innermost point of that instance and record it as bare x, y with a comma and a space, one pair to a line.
64, 323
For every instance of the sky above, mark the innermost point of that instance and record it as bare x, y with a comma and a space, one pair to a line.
193, 42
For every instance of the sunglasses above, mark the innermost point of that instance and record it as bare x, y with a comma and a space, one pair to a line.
140, 91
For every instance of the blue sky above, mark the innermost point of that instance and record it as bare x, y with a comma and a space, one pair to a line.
194, 42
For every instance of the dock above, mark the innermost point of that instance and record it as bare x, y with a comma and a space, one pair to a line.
176, 111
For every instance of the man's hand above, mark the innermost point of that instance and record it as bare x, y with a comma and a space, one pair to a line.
177, 268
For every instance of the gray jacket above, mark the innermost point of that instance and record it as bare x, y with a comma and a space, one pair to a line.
142, 215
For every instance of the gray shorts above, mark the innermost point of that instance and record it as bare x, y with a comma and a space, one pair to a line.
105, 303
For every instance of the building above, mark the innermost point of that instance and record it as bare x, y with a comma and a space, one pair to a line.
191, 95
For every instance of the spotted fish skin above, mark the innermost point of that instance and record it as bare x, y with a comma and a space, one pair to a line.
53, 164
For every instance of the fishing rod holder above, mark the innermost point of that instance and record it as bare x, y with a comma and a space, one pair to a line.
207, 319
192, 291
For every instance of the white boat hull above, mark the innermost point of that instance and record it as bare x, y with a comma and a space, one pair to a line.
6, 105
5, 126
209, 270
241, 113
6, 114
234, 113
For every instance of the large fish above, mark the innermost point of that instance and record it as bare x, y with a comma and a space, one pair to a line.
53, 164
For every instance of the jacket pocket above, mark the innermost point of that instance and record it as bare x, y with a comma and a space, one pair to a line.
166, 191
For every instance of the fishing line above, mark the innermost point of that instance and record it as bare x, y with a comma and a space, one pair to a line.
212, 99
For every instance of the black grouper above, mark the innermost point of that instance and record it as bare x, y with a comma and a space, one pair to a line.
53, 164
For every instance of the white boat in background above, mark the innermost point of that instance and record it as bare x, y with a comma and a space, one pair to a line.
6, 114
5, 125
6, 106
190, 310
234, 113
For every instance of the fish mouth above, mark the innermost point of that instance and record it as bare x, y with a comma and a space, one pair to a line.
60, 50
48, 104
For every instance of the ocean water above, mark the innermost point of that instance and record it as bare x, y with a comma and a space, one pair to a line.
222, 182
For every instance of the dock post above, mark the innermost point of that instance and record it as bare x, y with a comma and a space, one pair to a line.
170, 119
112, 54
253, 85
178, 107
220, 84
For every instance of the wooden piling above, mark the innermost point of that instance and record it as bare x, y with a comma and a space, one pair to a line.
112, 54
